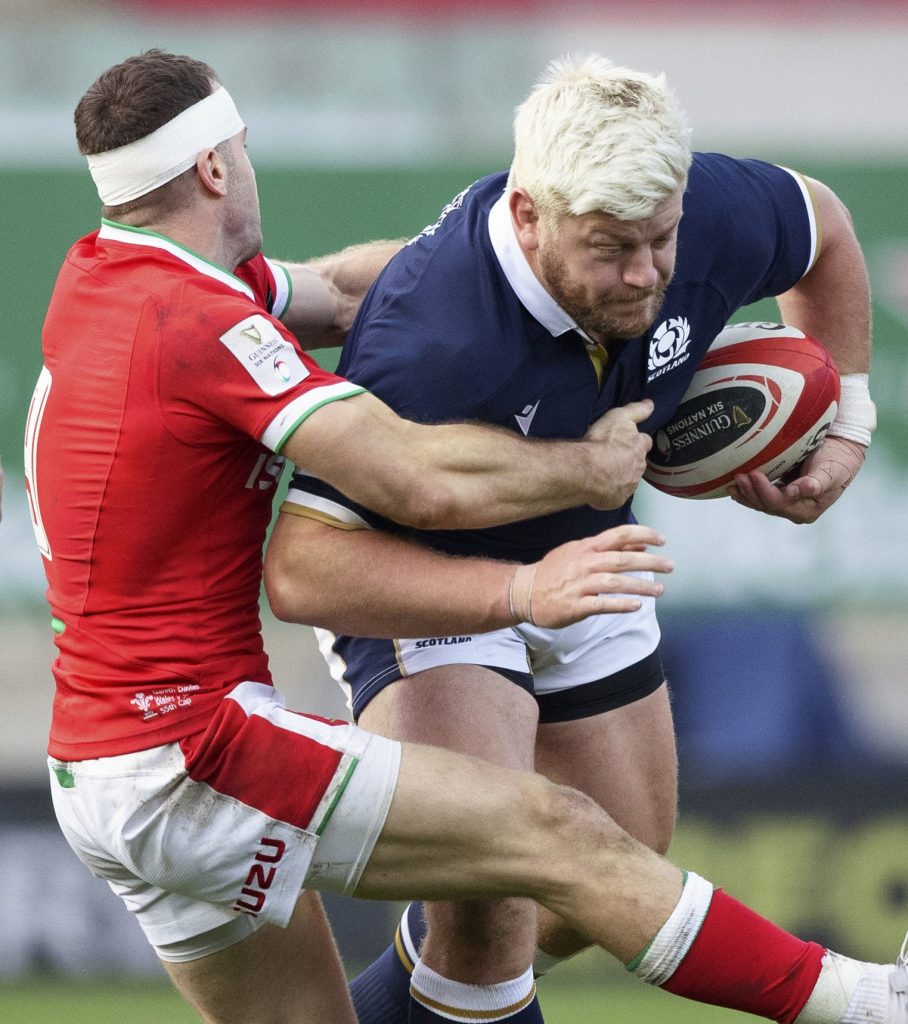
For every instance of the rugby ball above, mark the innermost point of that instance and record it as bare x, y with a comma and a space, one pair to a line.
762, 399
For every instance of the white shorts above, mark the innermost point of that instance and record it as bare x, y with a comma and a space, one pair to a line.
226, 828
615, 656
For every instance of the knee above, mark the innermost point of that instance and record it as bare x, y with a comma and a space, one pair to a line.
660, 831
664, 840
651, 816
563, 806
569, 825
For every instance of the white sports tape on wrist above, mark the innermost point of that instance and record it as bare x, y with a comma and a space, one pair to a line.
855, 419
520, 593
123, 174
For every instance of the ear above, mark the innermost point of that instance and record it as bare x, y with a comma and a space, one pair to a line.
212, 170
525, 218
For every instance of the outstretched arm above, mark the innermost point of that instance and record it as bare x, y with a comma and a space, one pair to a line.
832, 304
368, 583
327, 292
464, 475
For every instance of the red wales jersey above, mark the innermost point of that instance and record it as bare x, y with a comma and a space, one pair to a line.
152, 454
270, 283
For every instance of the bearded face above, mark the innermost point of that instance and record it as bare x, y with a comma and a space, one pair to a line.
609, 275
618, 313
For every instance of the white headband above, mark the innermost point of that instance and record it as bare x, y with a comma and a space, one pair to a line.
139, 167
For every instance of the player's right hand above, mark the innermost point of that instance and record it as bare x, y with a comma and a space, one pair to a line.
593, 576
621, 459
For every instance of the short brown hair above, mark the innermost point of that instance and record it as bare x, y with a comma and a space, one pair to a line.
136, 97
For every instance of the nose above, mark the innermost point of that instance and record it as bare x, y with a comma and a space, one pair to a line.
640, 269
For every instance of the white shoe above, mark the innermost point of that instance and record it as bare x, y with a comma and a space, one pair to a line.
851, 992
898, 986
881, 996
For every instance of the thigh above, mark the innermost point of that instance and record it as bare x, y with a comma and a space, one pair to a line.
364, 667
474, 711
461, 828
625, 759
275, 976
461, 707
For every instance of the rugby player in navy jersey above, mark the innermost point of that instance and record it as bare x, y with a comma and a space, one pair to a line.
594, 274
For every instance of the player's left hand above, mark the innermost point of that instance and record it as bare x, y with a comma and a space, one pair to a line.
824, 475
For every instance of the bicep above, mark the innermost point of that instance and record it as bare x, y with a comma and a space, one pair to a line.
832, 300
832, 215
371, 455
327, 292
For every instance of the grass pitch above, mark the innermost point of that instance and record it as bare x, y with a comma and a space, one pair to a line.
569, 1001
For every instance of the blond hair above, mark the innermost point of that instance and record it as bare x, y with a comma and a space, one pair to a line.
595, 137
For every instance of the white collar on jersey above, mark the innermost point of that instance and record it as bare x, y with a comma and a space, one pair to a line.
520, 275
128, 235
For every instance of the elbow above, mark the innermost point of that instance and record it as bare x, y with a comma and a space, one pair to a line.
285, 597
278, 600
429, 505
433, 504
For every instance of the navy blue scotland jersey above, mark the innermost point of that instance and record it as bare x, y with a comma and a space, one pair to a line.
457, 327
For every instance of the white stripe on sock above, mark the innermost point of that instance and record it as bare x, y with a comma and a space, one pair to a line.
457, 1001
405, 936
675, 937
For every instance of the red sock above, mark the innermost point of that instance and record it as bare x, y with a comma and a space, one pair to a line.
742, 961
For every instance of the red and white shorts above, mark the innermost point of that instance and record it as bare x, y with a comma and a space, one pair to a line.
217, 834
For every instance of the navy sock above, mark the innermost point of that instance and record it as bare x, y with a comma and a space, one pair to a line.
381, 993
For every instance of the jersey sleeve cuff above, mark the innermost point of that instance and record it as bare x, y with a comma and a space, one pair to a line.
278, 431
283, 288
811, 211
308, 506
